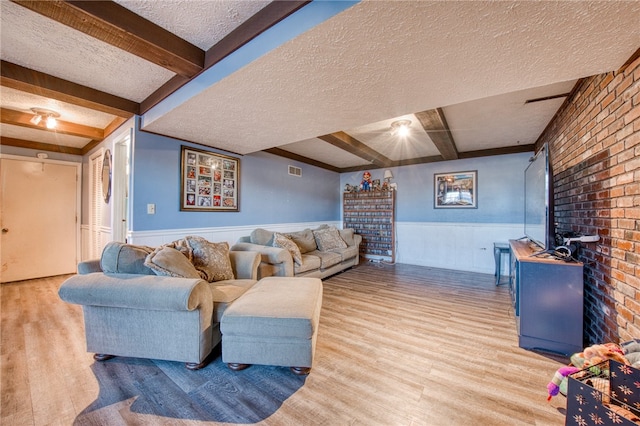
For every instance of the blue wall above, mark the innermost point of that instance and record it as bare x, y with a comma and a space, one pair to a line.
500, 189
268, 194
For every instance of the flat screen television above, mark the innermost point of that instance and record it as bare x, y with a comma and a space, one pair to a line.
538, 201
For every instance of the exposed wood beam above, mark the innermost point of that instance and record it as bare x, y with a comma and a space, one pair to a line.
40, 146
17, 118
88, 147
120, 27
290, 155
436, 158
435, 124
264, 19
113, 126
514, 149
38, 83
355, 147
546, 98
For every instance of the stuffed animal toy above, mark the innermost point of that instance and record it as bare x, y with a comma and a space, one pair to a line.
559, 382
598, 353
589, 358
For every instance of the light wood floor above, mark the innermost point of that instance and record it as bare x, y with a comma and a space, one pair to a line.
397, 345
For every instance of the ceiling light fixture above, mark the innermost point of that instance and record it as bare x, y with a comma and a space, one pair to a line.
49, 116
401, 128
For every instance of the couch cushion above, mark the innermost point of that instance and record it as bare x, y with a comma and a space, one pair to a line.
170, 262
309, 263
327, 258
328, 238
304, 239
347, 236
346, 253
225, 292
211, 259
122, 258
284, 242
262, 237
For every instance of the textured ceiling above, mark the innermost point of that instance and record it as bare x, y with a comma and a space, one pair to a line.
319, 84
213, 19
37, 43
378, 60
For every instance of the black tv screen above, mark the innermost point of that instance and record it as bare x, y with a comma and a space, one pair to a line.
538, 201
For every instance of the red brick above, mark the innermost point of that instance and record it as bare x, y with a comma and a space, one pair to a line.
624, 85
616, 192
633, 305
632, 213
633, 114
625, 313
624, 245
595, 146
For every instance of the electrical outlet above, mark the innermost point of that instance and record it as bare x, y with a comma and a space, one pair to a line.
151, 209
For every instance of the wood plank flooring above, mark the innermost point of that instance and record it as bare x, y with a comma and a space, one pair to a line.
397, 345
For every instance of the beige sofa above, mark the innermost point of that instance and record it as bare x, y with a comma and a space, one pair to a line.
316, 253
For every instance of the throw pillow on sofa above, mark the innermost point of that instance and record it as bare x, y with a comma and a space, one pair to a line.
262, 237
211, 259
168, 261
122, 258
329, 239
304, 240
282, 241
347, 236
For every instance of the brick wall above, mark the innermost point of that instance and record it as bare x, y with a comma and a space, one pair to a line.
594, 144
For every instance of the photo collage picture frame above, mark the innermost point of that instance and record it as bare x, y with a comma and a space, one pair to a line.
209, 181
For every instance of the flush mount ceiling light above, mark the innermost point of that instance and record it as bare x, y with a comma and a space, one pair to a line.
401, 128
48, 115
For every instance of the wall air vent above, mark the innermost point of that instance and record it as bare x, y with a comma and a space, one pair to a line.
295, 171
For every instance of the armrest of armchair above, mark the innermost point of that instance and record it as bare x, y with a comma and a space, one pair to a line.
245, 264
280, 258
357, 240
149, 292
273, 255
89, 266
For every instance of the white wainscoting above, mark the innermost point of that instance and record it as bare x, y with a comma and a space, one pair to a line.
459, 246
230, 234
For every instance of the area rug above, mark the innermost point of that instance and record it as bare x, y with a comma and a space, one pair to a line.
214, 393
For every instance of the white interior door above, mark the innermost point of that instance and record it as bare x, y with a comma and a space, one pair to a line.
39, 213
120, 194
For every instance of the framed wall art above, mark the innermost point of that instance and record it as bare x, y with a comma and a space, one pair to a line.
456, 190
209, 181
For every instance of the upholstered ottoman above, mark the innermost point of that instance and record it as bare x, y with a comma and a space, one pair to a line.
273, 323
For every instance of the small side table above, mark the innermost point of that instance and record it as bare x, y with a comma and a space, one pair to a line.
498, 250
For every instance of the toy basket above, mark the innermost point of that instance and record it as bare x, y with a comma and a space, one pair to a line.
604, 394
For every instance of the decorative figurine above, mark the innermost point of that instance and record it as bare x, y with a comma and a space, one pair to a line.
365, 185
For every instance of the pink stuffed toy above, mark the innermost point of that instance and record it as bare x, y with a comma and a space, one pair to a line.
554, 385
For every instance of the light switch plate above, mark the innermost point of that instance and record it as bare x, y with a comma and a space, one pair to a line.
151, 209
